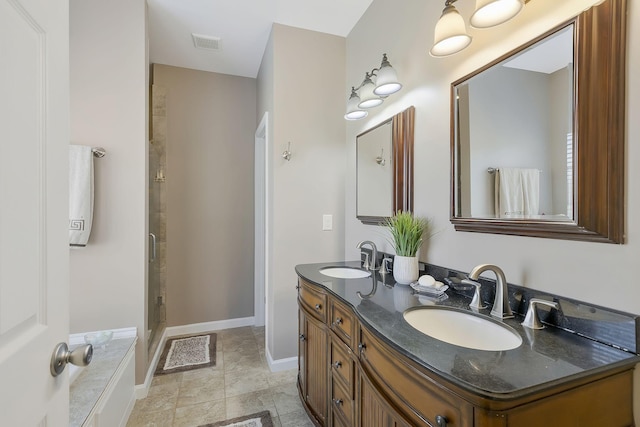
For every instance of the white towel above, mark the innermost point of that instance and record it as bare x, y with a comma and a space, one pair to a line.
517, 192
80, 194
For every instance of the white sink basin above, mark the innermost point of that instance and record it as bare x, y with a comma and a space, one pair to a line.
463, 329
345, 272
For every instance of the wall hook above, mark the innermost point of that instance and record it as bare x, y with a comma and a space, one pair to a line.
287, 153
380, 159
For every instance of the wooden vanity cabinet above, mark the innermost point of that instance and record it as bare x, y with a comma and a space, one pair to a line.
349, 376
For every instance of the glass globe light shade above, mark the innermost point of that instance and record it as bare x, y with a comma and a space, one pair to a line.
387, 79
368, 99
490, 13
450, 33
353, 112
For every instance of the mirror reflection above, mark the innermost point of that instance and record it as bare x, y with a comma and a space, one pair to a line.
375, 171
514, 135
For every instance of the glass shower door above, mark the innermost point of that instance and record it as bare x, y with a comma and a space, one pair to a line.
156, 285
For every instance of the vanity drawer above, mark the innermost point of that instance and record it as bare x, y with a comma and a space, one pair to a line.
341, 402
342, 364
314, 301
342, 322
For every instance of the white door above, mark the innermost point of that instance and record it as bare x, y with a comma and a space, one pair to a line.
34, 254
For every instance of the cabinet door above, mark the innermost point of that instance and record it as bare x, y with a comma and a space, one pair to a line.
313, 365
373, 410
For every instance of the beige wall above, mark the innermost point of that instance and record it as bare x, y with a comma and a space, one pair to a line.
302, 81
599, 273
211, 120
108, 75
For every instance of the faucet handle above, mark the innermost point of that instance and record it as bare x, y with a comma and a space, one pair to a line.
531, 320
384, 268
476, 302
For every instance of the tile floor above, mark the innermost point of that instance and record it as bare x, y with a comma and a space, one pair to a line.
240, 384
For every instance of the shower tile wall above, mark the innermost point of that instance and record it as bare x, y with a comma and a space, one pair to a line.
158, 215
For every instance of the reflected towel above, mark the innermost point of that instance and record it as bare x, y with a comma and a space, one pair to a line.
80, 194
517, 192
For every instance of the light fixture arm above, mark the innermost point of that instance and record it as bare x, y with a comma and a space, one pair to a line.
367, 76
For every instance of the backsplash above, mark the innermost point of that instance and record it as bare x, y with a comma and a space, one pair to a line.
608, 326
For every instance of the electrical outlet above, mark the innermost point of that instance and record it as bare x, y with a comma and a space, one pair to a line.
327, 222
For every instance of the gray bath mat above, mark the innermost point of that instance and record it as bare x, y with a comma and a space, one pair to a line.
260, 419
186, 353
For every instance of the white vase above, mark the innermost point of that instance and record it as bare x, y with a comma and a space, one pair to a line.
405, 269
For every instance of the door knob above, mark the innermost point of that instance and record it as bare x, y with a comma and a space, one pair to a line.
80, 356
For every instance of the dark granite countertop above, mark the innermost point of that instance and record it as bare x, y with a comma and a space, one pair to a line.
546, 358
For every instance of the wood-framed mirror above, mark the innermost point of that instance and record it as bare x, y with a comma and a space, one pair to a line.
591, 207
384, 168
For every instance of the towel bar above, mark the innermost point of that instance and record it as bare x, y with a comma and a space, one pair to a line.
494, 170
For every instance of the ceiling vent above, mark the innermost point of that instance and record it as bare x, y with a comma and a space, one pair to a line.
206, 42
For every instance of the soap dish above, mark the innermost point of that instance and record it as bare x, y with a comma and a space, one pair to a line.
429, 290
431, 300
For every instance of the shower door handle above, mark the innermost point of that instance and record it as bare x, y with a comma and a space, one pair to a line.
152, 237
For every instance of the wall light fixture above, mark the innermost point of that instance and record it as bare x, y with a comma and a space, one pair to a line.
376, 86
451, 33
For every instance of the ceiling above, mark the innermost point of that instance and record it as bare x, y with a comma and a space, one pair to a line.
547, 56
243, 27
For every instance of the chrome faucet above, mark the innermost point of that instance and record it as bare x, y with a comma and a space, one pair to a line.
501, 308
374, 254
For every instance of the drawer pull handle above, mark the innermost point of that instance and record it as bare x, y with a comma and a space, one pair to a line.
441, 421
318, 307
338, 364
338, 402
302, 337
338, 321
362, 346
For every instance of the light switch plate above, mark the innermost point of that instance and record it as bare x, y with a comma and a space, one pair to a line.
327, 222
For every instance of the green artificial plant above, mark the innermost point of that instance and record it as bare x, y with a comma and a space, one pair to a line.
407, 232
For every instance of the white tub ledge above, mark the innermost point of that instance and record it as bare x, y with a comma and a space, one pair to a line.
103, 393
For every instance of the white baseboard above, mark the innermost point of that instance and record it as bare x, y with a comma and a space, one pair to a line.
142, 390
217, 325
281, 364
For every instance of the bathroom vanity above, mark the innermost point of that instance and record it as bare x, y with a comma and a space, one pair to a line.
362, 364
